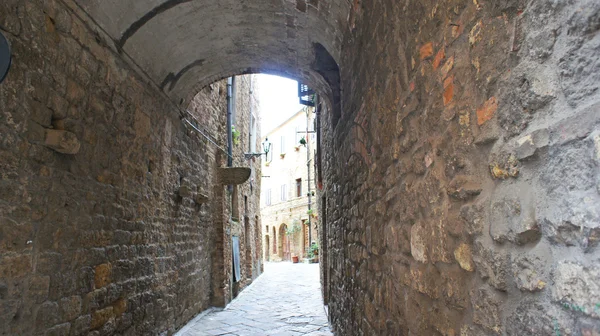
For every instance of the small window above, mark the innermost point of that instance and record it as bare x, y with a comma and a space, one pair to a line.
282, 145
284, 192
299, 187
268, 197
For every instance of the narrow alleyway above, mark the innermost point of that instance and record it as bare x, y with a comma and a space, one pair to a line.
456, 174
284, 301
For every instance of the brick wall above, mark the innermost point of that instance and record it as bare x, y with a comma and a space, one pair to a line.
112, 239
462, 179
246, 225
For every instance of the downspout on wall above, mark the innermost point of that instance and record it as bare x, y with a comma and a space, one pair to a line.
319, 171
230, 164
229, 123
308, 163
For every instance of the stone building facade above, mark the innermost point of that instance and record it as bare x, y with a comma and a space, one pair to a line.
130, 235
285, 189
238, 211
460, 161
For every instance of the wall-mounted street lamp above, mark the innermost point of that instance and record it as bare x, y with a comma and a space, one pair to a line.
5, 57
266, 145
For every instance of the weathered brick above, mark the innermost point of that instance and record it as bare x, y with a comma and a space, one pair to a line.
426, 50
448, 90
120, 306
487, 111
58, 105
464, 187
100, 317
70, 308
59, 330
47, 315
38, 288
39, 113
464, 256
81, 325
75, 93
301, 5
15, 266
439, 57
475, 33
448, 65
488, 309
102, 275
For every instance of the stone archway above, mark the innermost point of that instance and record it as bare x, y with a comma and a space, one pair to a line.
296, 39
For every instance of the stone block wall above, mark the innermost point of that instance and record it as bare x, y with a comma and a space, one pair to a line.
245, 222
120, 237
462, 181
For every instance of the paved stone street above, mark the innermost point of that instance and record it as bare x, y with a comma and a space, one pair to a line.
285, 300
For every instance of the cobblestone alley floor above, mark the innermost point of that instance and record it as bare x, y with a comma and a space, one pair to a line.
284, 301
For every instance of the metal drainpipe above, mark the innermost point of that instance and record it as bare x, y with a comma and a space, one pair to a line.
308, 162
318, 169
229, 125
230, 164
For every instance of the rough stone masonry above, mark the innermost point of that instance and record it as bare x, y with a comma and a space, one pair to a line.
129, 231
461, 160
463, 181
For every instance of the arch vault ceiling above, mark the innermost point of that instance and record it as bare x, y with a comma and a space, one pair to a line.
183, 45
